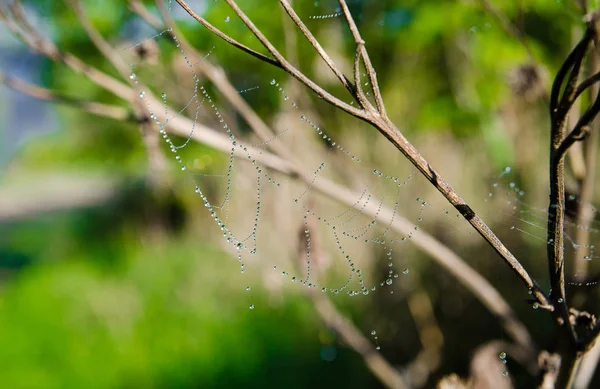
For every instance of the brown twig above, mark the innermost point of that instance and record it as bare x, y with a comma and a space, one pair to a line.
280, 60
106, 110
313, 41
432, 339
579, 328
585, 213
156, 160
358, 342
364, 55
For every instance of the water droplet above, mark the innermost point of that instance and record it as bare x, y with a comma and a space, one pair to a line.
227, 19
389, 281
373, 333
405, 271
273, 82
142, 94
505, 374
502, 355
248, 288
132, 76
536, 305
251, 306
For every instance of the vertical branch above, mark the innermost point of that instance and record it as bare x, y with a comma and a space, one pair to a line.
313, 41
585, 212
575, 155
559, 110
585, 216
579, 329
364, 55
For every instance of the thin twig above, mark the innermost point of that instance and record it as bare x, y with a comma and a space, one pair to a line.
387, 128
559, 109
589, 364
218, 78
156, 160
106, 110
360, 43
430, 335
360, 93
313, 41
280, 60
226, 37
359, 343
37, 43
585, 212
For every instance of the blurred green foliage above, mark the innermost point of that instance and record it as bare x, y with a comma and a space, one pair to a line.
163, 319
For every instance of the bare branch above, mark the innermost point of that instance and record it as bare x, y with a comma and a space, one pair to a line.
107, 51
360, 43
313, 41
286, 65
557, 107
585, 214
226, 37
355, 339
360, 93
39, 44
156, 161
110, 111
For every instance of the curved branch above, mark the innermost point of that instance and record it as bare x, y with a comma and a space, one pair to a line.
286, 65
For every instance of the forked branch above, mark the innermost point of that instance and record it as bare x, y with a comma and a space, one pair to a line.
378, 119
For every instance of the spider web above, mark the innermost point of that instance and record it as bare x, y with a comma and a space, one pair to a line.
345, 230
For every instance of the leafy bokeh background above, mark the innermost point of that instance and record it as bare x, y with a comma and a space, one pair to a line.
120, 287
